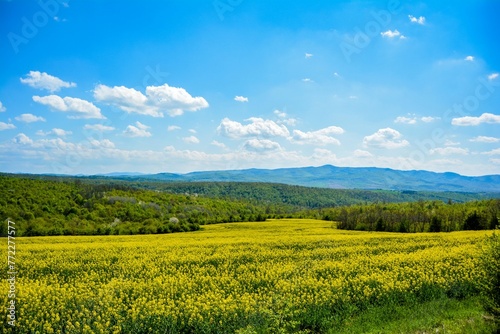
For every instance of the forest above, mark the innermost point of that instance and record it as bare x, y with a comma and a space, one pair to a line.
48, 205
420, 216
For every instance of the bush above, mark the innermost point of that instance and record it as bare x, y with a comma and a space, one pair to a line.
490, 284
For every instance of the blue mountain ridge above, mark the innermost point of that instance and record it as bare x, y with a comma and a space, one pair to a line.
329, 176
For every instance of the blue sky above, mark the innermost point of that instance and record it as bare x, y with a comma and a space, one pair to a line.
90, 87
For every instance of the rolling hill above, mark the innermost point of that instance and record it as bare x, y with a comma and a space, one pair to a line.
343, 178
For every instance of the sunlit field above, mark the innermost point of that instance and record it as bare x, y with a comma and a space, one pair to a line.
284, 275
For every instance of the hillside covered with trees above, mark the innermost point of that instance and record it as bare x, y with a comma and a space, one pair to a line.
43, 205
430, 216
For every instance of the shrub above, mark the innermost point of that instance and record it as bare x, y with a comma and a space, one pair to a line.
490, 284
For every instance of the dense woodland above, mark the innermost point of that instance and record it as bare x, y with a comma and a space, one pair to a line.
421, 216
86, 206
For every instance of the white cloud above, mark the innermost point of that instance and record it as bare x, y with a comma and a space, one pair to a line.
484, 139
492, 76
449, 150
405, 120
192, 130
61, 132
319, 137
98, 127
280, 114
385, 138
307, 80
241, 99
308, 55
42, 80
29, 118
447, 162
218, 144
283, 118
392, 34
324, 156
449, 142
104, 143
362, 154
261, 145
429, 119
55, 131
469, 58
257, 127
6, 126
419, 20
473, 121
158, 99
335, 74
140, 130
78, 107
191, 140
22, 139
493, 152
173, 128
2, 107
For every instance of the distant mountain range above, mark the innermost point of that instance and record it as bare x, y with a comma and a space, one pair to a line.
339, 178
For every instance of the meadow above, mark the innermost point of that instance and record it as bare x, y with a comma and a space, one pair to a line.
278, 276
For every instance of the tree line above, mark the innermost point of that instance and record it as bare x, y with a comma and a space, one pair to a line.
43, 205
420, 216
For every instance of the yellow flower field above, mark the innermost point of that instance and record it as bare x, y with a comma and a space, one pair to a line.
283, 275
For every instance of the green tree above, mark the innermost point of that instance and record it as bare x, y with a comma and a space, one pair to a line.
490, 284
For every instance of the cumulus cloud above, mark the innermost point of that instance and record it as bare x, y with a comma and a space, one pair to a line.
104, 143
308, 55
362, 154
284, 119
22, 139
429, 119
77, 107
385, 138
419, 20
257, 127
157, 100
493, 152
280, 114
473, 121
6, 126
469, 58
449, 150
173, 128
484, 139
98, 127
139, 130
392, 34
61, 132
319, 137
449, 142
492, 76
191, 140
241, 99
261, 145
2, 107
42, 80
29, 118
218, 144
405, 120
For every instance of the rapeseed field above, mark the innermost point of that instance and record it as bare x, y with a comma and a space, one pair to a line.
275, 276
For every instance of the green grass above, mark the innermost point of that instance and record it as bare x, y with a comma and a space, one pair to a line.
438, 316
